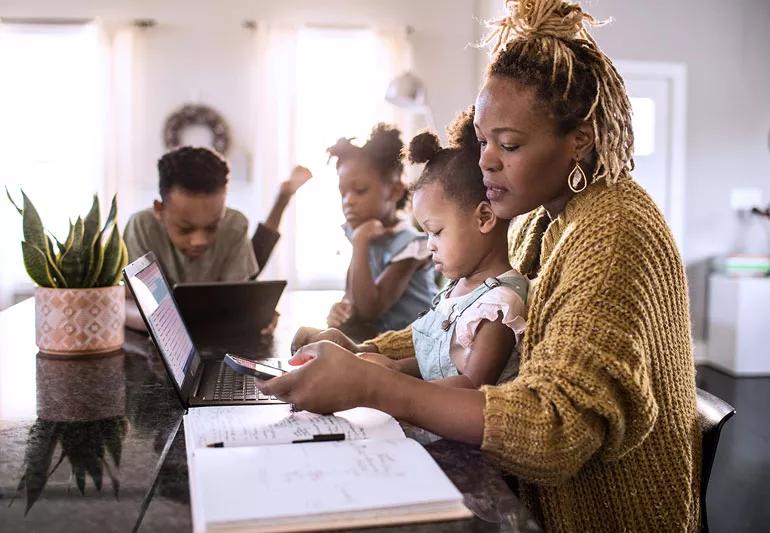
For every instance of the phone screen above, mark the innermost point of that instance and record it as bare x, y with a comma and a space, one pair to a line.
253, 368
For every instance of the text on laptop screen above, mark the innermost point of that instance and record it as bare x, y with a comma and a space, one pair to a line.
154, 298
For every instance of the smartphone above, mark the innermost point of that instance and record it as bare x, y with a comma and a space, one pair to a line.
252, 368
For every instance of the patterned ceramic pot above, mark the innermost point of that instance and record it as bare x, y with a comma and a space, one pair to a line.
79, 321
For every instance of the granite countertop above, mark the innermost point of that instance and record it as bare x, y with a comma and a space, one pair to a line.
96, 444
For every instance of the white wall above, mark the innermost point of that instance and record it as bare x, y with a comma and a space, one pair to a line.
726, 47
199, 49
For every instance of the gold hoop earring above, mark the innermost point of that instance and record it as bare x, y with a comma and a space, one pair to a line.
577, 179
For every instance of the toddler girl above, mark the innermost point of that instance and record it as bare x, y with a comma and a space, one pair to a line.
468, 338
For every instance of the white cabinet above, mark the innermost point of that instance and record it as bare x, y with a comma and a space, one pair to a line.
739, 324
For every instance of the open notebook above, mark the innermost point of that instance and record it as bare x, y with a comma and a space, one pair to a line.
261, 481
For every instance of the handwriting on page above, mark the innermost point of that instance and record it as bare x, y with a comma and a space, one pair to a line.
276, 425
305, 479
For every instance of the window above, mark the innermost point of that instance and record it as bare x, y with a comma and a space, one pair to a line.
643, 123
340, 87
51, 130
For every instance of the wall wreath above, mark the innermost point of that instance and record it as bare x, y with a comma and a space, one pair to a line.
197, 115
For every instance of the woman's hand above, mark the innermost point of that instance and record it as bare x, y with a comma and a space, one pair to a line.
307, 335
379, 359
330, 379
340, 313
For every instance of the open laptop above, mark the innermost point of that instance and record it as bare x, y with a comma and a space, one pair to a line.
198, 380
228, 316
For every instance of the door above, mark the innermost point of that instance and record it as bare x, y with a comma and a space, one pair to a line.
657, 93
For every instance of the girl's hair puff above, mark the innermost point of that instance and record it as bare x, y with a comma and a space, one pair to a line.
383, 151
455, 167
544, 44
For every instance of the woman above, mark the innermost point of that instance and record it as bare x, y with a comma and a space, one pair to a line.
600, 425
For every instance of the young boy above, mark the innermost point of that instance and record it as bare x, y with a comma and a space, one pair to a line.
194, 235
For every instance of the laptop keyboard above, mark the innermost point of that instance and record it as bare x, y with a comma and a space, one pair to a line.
233, 385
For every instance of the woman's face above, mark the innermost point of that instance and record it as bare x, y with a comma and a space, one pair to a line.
525, 162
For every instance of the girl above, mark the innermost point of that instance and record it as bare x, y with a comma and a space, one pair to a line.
468, 337
600, 425
390, 278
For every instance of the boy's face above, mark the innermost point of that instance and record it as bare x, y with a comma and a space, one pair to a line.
191, 219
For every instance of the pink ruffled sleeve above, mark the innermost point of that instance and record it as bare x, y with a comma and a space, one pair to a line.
500, 300
417, 249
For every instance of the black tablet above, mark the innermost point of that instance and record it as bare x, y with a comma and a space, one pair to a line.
228, 316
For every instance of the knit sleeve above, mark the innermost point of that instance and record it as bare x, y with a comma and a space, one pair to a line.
395, 344
583, 390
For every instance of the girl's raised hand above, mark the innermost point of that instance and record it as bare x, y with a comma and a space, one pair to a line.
330, 379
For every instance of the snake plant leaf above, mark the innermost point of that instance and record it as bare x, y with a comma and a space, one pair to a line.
80, 478
34, 233
90, 236
57, 275
95, 458
70, 237
113, 438
59, 244
97, 261
36, 263
99, 254
41, 444
112, 257
49, 247
122, 264
112, 214
8, 193
71, 262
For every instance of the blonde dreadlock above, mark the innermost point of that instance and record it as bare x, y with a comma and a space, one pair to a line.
545, 44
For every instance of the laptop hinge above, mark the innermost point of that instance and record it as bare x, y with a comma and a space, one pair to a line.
197, 384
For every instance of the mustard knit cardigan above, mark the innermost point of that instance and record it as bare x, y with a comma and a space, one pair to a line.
600, 425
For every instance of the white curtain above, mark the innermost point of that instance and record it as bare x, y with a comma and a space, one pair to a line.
67, 108
273, 123
52, 124
125, 51
312, 86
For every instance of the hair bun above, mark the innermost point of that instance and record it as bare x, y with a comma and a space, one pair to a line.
530, 19
423, 147
385, 144
341, 148
462, 133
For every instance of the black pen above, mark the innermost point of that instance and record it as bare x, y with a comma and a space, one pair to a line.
325, 437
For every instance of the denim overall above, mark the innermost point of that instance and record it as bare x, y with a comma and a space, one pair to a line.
433, 332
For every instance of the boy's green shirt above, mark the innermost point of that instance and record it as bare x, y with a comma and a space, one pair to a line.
230, 257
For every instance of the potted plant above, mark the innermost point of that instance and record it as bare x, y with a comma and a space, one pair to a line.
79, 304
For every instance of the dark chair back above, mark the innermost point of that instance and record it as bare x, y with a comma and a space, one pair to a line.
713, 412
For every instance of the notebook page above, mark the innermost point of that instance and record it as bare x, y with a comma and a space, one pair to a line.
263, 483
250, 425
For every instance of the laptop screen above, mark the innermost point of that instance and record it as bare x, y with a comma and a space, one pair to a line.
154, 298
